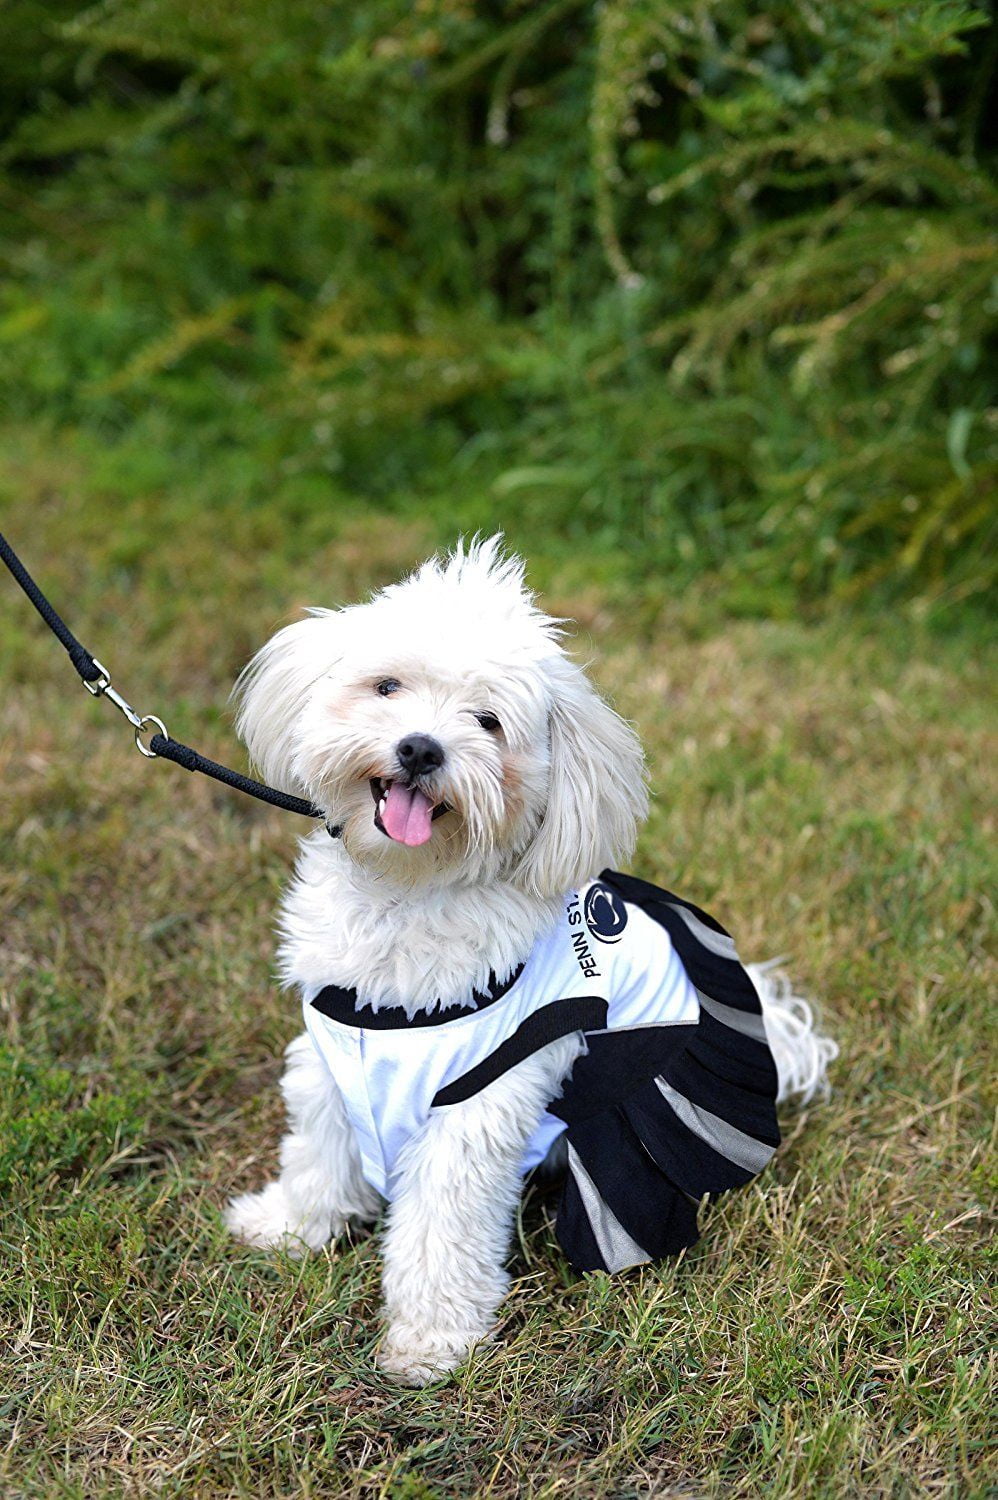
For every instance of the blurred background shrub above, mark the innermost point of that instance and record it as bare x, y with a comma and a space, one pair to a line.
710, 285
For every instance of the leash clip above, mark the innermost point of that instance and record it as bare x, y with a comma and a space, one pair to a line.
101, 688
100, 684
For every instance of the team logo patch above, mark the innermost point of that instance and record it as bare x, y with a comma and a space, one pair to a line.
606, 914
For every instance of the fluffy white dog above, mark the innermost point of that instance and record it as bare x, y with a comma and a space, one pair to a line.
478, 996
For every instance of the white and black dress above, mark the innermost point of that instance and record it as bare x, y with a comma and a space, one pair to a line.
673, 1099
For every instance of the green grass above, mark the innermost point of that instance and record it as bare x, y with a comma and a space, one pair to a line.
827, 789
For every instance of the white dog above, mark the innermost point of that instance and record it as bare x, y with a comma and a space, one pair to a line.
478, 996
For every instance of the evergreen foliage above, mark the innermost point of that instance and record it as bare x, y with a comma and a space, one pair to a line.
713, 283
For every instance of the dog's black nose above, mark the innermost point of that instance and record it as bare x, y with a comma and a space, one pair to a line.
419, 754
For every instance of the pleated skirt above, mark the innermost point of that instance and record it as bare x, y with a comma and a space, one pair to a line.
660, 1117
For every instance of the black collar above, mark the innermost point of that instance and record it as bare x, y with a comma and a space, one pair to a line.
343, 1006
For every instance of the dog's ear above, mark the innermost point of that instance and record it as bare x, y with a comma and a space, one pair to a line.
274, 689
596, 796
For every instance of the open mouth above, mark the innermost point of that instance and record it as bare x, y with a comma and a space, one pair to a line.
403, 812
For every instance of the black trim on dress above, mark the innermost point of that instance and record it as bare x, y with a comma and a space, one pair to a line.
342, 1005
560, 1018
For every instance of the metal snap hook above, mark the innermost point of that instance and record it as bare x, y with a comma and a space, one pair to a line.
100, 684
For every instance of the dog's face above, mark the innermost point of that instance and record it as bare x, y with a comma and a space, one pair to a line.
442, 728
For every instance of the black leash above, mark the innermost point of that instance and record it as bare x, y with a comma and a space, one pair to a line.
97, 681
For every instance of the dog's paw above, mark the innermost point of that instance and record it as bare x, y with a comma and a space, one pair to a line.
266, 1219
413, 1357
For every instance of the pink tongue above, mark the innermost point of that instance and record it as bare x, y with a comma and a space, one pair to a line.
407, 815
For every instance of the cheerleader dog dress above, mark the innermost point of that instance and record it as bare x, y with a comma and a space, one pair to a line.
674, 1098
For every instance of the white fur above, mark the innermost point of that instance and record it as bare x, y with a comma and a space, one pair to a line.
538, 808
448, 1228
321, 1187
802, 1055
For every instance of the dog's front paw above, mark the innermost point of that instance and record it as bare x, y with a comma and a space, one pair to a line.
267, 1220
414, 1356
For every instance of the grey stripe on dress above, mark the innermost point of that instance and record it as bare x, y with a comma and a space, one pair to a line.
738, 1020
744, 1150
616, 1246
643, 1026
718, 943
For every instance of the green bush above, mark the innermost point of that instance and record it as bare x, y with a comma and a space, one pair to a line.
711, 284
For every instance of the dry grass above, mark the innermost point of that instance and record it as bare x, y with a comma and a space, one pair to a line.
828, 791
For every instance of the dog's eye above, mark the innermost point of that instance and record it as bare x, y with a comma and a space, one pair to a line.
489, 722
387, 686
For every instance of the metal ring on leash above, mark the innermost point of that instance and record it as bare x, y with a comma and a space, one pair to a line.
140, 729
